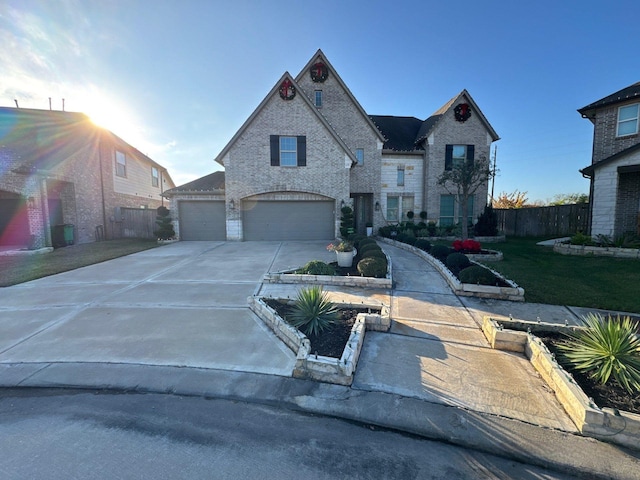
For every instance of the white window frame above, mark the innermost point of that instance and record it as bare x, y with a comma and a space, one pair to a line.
155, 177
360, 156
628, 121
393, 213
288, 156
121, 164
318, 98
400, 176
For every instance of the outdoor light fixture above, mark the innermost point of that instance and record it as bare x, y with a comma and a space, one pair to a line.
377, 206
232, 205
32, 201
341, 203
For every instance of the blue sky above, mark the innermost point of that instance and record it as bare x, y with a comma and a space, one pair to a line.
177, 78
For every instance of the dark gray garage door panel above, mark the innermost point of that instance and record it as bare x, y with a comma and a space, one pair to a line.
294, 220
202, 220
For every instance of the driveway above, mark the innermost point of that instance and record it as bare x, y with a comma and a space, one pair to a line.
176, 305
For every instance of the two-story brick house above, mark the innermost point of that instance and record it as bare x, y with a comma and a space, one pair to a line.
309, 148
59, 168
614, 200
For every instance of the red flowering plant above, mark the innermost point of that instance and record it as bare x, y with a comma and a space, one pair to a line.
467, 246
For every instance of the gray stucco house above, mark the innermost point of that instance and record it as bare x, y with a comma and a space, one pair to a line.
614, 201
309, 148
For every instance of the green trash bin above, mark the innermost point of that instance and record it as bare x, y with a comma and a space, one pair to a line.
62, 235
68, 234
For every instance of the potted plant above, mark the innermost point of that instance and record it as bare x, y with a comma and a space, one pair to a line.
369, 229
344, 252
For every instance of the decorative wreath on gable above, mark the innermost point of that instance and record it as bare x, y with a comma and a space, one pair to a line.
462, 112
287, 90
319, 72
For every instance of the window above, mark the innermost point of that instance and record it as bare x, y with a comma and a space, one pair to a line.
121, 164
456, 155
392, 209
628, 120
447, 209
400, 176
155, 178
288, 151
360, 156
407, 206
318, 98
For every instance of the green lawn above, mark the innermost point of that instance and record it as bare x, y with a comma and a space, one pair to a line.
22, 268
548, 277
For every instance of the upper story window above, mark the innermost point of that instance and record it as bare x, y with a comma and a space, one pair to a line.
457, 155
401, 175
318, 98
288, 151
360, 156
628, 120
155, 177
121, 164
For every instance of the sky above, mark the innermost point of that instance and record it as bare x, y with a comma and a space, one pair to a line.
177, 78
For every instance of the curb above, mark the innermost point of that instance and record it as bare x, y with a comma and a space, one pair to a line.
513, 439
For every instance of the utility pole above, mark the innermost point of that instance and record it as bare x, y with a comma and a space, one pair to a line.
493, 171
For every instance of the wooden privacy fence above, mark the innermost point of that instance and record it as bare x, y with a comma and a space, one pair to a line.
137, 223
557, 220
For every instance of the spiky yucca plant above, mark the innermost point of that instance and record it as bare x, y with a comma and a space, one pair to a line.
607, 347
312, 311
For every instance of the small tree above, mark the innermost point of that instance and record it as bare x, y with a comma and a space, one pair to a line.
463, 180
487, 225
346, 222
515, 199
165, 229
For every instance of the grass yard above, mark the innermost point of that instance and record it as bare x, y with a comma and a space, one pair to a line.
22, 268
552, 278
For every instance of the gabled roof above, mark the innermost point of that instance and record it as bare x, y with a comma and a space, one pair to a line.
400, 132
431, 122
319, 55
588, 171
214, 182
266, 100
628, 93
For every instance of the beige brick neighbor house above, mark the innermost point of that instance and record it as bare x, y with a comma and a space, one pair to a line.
59, 169
615, 166
309, 148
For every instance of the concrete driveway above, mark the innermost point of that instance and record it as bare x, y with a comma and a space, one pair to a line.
176, 305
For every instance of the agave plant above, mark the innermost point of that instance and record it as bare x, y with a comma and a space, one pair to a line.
606, 347
312, 311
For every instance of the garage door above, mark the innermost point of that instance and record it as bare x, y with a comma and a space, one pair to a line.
202, 220
292, 220
14, 223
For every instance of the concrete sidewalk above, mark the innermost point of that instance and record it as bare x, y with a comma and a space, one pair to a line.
171, 320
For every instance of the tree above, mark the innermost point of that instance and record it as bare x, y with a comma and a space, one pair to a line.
569, 198
463, 180
165, 229
515, 199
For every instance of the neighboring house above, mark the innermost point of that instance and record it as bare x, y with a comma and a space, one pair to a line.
615, 166
58, 168
309, 148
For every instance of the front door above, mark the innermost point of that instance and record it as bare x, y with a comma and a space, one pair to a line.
362, 211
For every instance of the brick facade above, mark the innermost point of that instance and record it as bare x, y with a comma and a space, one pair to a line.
73, 183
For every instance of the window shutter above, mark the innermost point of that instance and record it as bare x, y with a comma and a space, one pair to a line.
275, 150
302, 151
448, 157
471, 149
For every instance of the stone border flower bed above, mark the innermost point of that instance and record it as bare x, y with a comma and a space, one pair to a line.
568, 249
318, 367
513, 292
289, 276
606, 424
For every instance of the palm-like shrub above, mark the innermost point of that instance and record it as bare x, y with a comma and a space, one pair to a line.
312, 311
607, 347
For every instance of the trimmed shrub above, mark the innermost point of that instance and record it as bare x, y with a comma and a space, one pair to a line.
312, 311
374, 254
457, 262
487, 225
316, 267
356, 239
366, 241
477, 275
441, 252
423, 244
368, 248
372, 267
